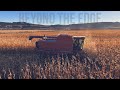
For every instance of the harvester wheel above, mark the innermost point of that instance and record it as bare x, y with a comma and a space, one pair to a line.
37, 45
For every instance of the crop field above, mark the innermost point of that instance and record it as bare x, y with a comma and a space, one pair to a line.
19, 59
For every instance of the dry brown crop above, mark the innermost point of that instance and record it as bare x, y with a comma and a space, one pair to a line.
19, 60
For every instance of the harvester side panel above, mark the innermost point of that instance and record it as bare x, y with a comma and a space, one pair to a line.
60, 44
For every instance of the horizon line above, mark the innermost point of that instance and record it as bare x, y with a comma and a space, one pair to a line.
61, 24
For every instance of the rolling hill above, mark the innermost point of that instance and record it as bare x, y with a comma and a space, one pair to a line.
29, 26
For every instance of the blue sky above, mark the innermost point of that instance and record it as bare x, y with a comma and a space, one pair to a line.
59, 17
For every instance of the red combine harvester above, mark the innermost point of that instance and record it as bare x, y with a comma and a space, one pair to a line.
62, 43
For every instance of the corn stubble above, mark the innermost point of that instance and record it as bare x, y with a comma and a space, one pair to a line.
101, 59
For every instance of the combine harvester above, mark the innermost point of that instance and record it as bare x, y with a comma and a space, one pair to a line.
62, 43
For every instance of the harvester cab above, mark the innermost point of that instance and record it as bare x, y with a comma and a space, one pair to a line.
78, 42
60, 43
